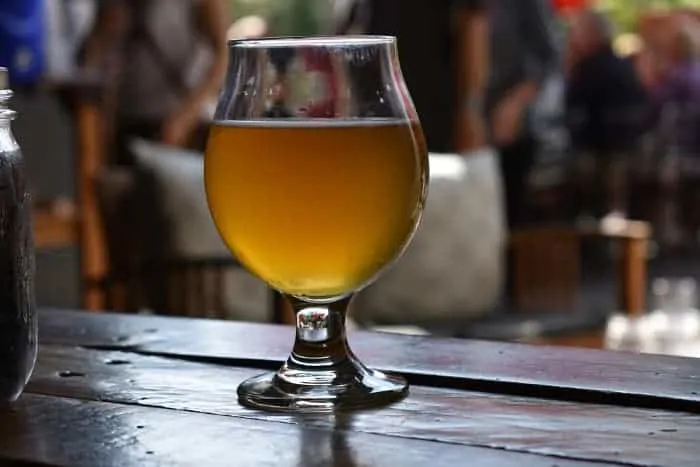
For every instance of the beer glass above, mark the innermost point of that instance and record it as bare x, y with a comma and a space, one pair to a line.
316, 175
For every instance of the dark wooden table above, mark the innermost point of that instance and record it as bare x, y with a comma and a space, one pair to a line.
116, 390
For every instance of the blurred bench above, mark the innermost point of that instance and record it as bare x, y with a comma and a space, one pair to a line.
105, 286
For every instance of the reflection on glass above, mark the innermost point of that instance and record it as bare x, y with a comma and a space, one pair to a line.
316, 176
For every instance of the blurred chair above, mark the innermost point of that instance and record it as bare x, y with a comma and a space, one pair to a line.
547, 264
547, 275
65, 223
193, 288
545, 267
145, 271
91, 138
110, 240
546, 284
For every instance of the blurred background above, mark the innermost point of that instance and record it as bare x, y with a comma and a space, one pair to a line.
600, 188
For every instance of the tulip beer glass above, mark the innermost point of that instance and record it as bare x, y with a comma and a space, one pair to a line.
316, 176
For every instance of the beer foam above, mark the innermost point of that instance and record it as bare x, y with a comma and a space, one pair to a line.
312, 122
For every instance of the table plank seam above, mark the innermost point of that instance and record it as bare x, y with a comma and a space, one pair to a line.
562, 407
344, 431
610, 376
279, 419
512, 388
462, 417
143, 449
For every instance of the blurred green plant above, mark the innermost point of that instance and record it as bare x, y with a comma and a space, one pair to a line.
241, 8
624, 13
288, 17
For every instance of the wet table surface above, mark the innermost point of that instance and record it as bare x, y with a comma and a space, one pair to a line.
118, 390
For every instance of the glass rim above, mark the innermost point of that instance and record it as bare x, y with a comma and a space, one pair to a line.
311, 41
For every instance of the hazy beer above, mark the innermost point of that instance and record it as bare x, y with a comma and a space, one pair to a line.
316, 209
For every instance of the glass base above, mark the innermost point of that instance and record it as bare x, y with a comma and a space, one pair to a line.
303, 389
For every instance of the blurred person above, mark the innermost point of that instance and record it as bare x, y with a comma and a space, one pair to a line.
443, 54
524, 56
677, 99
159, 65
67, 23
164, 62
645, 66
453, 268
678, 89
606, 107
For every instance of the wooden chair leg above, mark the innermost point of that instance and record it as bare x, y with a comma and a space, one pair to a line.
633, 275
93, 260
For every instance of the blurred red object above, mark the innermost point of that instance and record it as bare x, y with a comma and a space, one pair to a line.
567, 6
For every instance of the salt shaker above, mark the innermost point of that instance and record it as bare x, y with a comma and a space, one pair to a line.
18, 319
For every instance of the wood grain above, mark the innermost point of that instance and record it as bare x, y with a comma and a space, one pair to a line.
592, 432
554, 372
69, 432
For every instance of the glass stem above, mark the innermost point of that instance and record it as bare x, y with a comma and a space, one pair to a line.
320, 335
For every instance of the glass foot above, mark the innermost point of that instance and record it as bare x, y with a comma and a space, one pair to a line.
346, 386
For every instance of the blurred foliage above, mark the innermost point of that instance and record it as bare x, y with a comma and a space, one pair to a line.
287, 17
625, 12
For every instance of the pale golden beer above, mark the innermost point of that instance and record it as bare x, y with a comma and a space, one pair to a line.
316, 209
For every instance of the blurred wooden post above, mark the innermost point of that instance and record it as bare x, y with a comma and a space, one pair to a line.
633, 268
633, 238
93, 258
